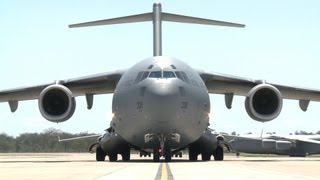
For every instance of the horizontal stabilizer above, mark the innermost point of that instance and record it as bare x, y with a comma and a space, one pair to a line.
195, 20
119, 20
149, 17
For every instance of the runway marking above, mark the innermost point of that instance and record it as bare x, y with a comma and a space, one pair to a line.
164, 172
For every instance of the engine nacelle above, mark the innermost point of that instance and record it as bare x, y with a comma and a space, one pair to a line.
264, 102
56, 103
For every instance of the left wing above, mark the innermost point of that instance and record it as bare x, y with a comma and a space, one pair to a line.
221, 84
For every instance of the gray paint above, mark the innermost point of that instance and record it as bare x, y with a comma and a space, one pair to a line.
156, 18
274, 145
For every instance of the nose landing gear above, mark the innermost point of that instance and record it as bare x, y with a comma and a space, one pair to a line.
160, 152
164, 150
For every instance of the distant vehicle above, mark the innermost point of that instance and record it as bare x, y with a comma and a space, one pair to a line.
299, 146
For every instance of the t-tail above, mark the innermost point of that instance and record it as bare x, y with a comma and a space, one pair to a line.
157, 16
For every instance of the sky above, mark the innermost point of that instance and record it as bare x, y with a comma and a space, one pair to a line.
279, 44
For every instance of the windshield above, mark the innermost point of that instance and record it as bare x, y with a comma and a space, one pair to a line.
155, 74
168, 74
162, 74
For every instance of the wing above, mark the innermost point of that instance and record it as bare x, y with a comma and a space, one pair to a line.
226, 84
295, 138
95, 84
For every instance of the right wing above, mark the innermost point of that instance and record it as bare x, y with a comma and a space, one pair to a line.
95, 84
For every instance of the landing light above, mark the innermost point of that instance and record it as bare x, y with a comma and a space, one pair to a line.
210, 115
110, 116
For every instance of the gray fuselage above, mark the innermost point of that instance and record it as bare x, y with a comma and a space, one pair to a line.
160, 96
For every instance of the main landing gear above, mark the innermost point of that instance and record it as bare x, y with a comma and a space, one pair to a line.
113, 156
218, 155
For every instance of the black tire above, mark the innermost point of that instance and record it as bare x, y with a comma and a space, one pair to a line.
100, 154
168, 155
126, 156
205, 156
180, 154
156, 155
193, 156
113, 157
218, 155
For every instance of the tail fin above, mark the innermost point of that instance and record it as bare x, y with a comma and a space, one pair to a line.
157, 17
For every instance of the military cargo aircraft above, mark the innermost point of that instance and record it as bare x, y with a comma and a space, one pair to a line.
160, 105
300, 146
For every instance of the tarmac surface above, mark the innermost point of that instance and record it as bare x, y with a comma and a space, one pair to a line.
83, 166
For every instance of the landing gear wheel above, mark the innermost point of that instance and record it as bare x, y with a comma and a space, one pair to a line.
218, 156
113, 157
126, 156
205, 156
100, 154
168, 155
156, 155
193, 156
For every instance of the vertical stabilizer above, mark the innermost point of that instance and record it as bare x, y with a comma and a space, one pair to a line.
157, 39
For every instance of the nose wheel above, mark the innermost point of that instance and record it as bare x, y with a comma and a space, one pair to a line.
167, 155
156, 155
158, 152
164, 150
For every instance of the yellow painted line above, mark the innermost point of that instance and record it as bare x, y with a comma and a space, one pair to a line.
164, 173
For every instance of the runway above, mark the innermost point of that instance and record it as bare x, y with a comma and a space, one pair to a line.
84, 166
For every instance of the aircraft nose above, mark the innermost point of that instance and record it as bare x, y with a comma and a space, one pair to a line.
162, 101
162, 90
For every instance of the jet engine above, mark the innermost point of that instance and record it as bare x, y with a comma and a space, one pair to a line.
263, 102
56, 103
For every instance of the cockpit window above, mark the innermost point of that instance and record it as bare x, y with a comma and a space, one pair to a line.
168, 74
144, 75
155, 74
141, 76
183, 76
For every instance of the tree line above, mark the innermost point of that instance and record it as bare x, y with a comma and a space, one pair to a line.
47, 141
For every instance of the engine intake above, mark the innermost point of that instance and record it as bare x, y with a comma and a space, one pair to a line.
56, 103
264, 102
